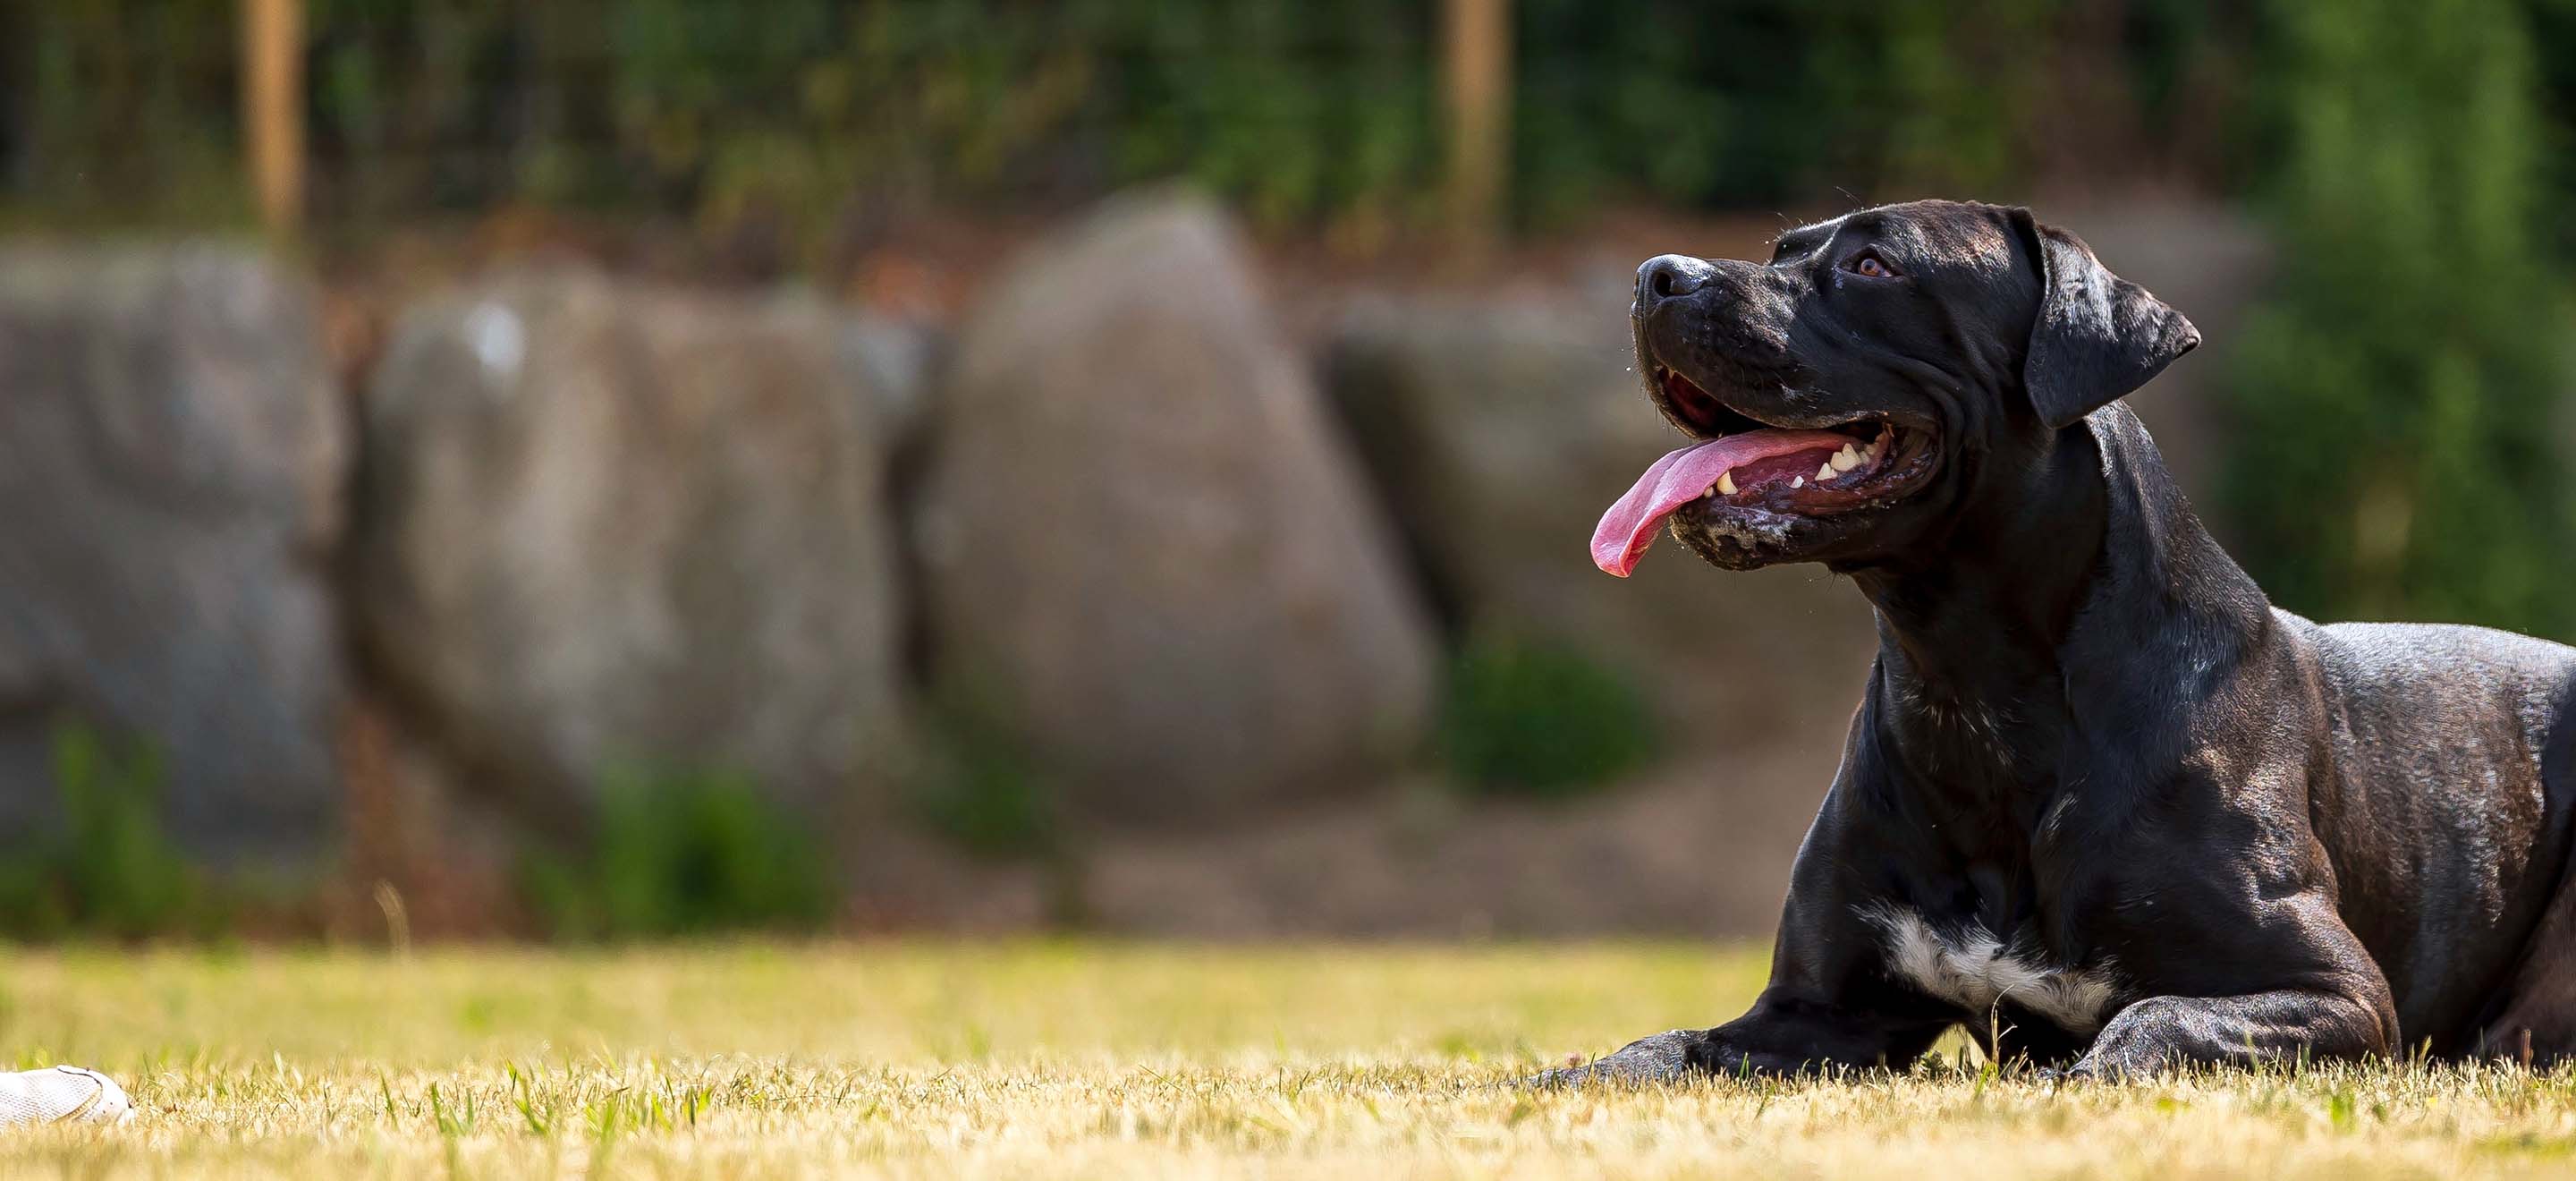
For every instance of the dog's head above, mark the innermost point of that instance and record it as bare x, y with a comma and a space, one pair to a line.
1880, 374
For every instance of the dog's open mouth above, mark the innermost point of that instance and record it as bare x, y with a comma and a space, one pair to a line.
1746, 466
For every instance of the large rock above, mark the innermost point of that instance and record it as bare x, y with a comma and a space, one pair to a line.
1141, 537
1500, 430
605, 529
171, 457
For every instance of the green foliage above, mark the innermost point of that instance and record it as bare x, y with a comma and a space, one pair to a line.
121, 104
2400, 388
1530, 718
808, 120
805, 124
976, 782
684, 854
107, 870
1762, 100
2553, 28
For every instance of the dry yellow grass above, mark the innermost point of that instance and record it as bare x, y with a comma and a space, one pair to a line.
1106, 1059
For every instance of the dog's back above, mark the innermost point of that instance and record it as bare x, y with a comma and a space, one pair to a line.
2426, 692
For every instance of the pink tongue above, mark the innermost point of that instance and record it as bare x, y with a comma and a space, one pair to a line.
1679, 478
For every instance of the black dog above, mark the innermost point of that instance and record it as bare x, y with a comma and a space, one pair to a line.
2100, 795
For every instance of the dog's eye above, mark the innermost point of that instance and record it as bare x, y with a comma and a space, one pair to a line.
1868, 264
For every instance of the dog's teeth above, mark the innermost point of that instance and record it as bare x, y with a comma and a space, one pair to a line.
1800, 482
1726, 483
1824, 472
1845, 459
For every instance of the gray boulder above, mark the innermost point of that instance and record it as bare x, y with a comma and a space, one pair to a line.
1499, 430
171, 459
606, 529
1143, 542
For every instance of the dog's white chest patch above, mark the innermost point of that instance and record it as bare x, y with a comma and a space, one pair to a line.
1973, 968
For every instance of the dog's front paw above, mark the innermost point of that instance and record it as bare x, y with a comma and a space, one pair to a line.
1647, 1061
2084, 1070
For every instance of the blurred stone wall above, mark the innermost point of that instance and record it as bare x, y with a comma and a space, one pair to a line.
1142, 538
601, 528
564, 525
172, 461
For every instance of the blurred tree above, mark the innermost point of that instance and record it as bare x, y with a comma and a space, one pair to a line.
2400, 390
273, 108
2553, 24
1765, 101
121, 107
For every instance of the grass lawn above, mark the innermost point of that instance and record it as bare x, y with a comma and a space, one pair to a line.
1106, 1059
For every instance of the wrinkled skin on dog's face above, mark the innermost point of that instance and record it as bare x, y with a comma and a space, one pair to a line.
1851, 393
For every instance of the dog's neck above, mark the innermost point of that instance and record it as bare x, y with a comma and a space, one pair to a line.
2070, 569
1977, 618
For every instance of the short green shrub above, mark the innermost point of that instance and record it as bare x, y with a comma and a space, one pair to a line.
976, 783
1531, 718
107, 869
691, 853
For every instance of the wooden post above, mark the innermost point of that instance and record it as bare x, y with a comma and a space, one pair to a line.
1478, 57
272, 81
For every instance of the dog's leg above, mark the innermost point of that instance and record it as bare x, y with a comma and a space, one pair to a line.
2535, 1021
2340, 1006
2163, 1032
1778, 1036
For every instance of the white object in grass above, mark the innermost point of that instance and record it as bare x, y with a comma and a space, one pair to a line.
64, 1094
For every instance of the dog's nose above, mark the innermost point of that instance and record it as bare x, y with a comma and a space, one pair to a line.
1669, 276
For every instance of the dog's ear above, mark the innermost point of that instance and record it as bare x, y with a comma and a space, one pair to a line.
2098, 336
